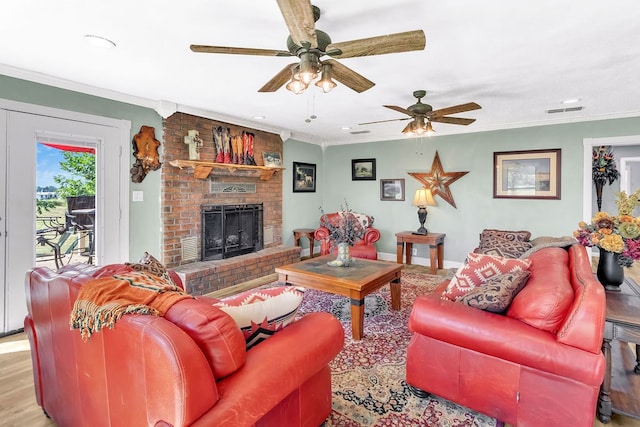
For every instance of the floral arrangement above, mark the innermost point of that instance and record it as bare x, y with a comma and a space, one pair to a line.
345, 228
619, 234
604, 168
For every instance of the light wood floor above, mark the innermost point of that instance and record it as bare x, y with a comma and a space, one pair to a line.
18, 406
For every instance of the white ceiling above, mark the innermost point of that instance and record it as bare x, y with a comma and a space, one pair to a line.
516, 59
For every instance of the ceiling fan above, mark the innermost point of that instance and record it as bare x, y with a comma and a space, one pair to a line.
424, 114
310, 45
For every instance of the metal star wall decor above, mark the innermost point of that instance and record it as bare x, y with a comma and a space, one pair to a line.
438, 181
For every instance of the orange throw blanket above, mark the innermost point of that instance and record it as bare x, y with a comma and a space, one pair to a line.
101, 302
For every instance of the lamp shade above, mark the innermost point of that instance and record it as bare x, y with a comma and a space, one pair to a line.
423, 197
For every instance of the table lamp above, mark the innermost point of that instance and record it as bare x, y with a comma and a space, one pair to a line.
422, 199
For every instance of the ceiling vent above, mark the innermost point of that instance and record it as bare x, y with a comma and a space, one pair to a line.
359, 132
564, 110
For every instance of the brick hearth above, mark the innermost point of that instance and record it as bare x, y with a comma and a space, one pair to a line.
183, 194
204, 277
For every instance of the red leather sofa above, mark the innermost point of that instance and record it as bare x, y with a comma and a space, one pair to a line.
188, 368
364, 248
538, 364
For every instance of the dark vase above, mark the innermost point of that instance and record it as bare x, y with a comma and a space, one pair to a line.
610, 273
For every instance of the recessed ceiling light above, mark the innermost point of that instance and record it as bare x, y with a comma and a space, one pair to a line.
345, 128
259, 117
571, 101
99, 41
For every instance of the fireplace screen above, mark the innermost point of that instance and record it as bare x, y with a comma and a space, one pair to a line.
231, 230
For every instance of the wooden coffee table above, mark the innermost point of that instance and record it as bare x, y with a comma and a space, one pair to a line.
361, 278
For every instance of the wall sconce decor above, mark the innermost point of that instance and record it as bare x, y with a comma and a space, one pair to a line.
145, 150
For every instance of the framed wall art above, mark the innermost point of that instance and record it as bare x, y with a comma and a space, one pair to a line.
272, 159
392, 189
363, 170
532, 174
304, 177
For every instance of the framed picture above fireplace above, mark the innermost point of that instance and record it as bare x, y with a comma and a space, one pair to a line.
304, 177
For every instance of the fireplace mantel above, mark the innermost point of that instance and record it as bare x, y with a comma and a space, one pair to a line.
202, 169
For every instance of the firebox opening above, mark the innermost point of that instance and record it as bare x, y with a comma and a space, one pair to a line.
231, 230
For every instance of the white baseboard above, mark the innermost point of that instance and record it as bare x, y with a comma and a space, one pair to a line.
385, 256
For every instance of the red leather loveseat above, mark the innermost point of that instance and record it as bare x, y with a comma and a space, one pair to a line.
538, 364
188, 368
363, 248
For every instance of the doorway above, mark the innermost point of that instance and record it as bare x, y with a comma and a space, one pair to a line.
629, 174
21, 126
587, 182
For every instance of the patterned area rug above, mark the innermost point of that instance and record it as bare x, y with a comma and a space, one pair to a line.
368, 376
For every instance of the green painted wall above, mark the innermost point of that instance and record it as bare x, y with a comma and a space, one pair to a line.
473, 193
144, 217
300, 210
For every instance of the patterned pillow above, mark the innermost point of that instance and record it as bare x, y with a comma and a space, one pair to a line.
148, 263
497, 293
261, 313
480, 268
365, 220
500, 246
522, 236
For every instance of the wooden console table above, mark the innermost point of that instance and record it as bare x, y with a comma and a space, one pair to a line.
434, 240
620, 390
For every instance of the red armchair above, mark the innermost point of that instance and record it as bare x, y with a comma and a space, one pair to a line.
364, 248
188, 368
539, 364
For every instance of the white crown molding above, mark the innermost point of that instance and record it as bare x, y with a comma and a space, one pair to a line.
477, 128
165, 108
48, 80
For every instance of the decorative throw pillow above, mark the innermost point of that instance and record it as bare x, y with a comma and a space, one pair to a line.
522, 235
148, 263
499, 246
548, 242
480, 268
261, 313
365, 220
497, 293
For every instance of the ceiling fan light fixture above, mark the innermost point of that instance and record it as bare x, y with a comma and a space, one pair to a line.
308, 68
419, 126
409, 129
429, 130
325, 83
296, 86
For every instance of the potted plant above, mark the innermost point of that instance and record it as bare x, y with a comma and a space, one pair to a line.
344, 231
617, 237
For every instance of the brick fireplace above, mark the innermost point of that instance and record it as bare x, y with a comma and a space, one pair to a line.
184, 195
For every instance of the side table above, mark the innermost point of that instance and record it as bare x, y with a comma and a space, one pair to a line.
304, 232
620, 390
434, 240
